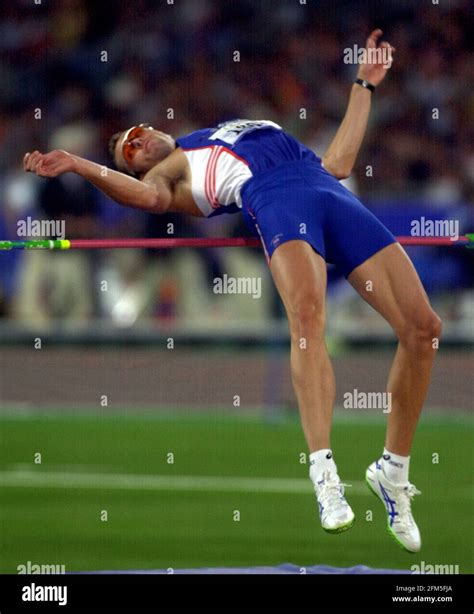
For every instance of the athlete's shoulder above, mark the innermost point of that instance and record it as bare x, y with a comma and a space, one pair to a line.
226, 133
195, 139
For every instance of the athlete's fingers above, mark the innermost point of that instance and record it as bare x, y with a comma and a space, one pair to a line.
374, 37
39, 168
30, 162
34, 160
388, 54
32, 157
25, 161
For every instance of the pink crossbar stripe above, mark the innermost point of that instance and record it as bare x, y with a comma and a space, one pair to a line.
206, 242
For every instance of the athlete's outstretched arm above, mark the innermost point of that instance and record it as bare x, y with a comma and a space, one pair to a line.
153, 194
341, 154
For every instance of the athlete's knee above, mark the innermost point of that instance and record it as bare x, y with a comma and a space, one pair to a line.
422, 331
306, 316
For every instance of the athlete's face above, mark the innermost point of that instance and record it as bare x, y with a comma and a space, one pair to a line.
141, 147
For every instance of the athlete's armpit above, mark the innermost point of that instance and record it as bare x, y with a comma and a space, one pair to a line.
164, 177
162, 191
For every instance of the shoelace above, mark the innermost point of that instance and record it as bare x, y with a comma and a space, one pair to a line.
405, 495
331, 491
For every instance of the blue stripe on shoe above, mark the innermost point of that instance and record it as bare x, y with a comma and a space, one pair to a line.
390, 504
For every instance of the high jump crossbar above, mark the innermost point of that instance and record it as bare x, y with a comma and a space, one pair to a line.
168, 243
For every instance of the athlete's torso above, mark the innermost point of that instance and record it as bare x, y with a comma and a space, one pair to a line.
218, 161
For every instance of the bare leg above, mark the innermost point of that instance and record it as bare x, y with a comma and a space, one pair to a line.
300, 277
396, 292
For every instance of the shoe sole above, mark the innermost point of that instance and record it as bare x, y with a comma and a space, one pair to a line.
390, 532
345, 527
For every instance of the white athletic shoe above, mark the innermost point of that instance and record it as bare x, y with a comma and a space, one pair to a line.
397, 500
334, 511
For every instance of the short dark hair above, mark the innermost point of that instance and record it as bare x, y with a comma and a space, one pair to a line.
112, 145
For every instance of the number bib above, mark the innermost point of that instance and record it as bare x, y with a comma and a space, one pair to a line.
231, 132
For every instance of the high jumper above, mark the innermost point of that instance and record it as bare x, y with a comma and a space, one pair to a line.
295, 203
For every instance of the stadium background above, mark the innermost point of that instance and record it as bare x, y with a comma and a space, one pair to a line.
172, 65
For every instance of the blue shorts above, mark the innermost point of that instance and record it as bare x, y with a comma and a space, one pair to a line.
301, 201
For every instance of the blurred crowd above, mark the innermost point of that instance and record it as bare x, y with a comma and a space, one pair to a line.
72, 72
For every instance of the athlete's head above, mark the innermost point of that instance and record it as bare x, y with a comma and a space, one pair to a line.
138, 149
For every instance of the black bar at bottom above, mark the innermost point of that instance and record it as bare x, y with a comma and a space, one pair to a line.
292, 593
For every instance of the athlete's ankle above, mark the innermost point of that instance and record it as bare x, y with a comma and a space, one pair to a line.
320, 462
395, 467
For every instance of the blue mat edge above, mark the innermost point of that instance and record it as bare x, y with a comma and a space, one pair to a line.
284, 568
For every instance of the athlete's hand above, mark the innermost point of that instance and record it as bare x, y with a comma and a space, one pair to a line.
378, 59
52, 164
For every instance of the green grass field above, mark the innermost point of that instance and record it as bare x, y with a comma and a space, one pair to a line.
51, 512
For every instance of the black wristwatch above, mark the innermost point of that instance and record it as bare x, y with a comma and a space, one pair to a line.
366, 84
